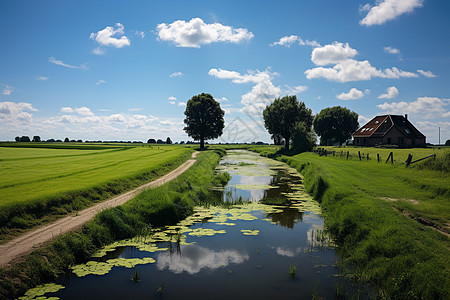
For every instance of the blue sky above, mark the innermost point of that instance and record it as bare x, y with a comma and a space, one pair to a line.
123, 70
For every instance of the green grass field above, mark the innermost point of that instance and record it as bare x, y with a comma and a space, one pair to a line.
44, 179
384, 219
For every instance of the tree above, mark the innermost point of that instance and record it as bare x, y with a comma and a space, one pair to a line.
303, 138
336, 123
36, 139
17, 139
204, 118
447, 143
24, 138
151, 141
283, 114
66, 140
159, 141
168, 140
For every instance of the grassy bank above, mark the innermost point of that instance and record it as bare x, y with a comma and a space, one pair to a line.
164, 205
38, 185
376, 213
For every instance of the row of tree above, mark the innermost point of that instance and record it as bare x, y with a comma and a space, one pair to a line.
285, 119
153, 141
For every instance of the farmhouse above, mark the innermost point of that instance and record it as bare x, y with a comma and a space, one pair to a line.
389, 130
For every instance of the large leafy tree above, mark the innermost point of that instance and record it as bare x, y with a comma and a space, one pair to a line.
204, 118
335, 123
281, 117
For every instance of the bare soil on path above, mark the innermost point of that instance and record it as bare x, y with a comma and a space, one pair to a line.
16, 249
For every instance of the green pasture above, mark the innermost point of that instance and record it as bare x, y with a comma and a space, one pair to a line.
43, 178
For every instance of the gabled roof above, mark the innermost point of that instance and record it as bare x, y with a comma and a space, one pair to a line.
381, 125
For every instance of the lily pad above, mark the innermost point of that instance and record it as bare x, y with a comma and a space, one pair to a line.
249, 232
40, 290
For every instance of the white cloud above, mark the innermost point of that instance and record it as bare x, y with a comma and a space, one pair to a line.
364, 8
223, 99
428, 74
105, 37
134, 109
140, 33
351, 95
332, 54
103, 109
98, 51
431, 130
62, 64
262, 93
42, 78
288, 41
426, 107
388, 10
172, 100
176, 74
391, 92
346, 69
16, 112
84, 111
101, 81
66, 109
7, 90
196, 33
182, 104
117, 118
295, 90
391, 50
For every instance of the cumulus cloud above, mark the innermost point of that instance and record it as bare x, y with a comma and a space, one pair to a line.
288, 41
391, 92
172, 100
351, 95
262, 93
332, 54
100, 81
196, 33
387, 10
62, 64
84, 111
345, 67
427, 107
183, 104
111, 36
16, 111
391, 50
67, 109
428, 74
117, 118
42, 78
98, 51
176, 74
7, 90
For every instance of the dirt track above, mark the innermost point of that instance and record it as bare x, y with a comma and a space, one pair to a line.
14, 250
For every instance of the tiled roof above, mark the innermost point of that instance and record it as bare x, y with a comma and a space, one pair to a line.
380, 125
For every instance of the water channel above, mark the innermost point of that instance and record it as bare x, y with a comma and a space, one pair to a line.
248, 251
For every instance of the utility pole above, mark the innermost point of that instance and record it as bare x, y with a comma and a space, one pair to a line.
439, 135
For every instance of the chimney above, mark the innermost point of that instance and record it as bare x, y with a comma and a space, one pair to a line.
406, 116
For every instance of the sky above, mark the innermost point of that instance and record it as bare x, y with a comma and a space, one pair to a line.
124, 70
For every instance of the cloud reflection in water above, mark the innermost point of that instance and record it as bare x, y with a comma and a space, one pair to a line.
194, 258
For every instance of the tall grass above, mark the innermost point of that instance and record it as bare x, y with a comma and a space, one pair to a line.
164, 205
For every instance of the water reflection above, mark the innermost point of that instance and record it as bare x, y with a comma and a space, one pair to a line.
284, 251
288, 218
195, 258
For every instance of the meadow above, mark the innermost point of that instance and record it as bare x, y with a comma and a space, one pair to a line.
385, 218
163, 205
38, 182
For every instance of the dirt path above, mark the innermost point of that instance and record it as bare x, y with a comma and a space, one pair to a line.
14, 250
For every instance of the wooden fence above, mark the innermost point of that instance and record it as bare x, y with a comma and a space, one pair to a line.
366, 156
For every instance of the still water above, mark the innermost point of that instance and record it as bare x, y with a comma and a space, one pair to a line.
249, 251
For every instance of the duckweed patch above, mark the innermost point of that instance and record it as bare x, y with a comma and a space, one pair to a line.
39, 291
102, 268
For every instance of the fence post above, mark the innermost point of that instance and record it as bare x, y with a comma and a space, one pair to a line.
408, 161
378, 157
359, 154
347, 155
390, 155
367, 156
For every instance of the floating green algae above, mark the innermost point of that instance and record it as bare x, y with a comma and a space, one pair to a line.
39, 291
249, 232
102, 268
205, 232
